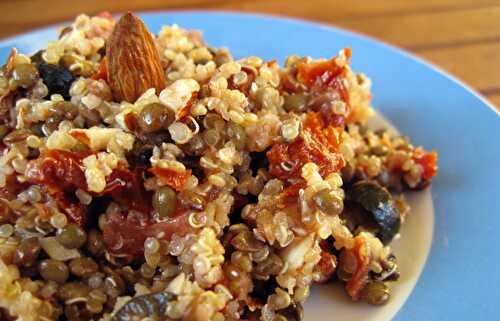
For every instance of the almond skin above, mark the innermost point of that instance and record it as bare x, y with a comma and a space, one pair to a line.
133, 61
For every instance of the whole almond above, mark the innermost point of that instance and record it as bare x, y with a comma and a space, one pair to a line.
133, 61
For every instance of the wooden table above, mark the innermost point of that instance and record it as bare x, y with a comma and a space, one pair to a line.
461, 36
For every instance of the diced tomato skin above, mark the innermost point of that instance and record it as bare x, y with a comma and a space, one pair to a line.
186, 110
171, 178
291, 192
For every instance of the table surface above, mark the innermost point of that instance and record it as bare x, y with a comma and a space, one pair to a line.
460, 36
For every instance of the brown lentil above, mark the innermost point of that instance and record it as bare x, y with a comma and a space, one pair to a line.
27, 252
83, 266
52, 270
71, 236
154, 117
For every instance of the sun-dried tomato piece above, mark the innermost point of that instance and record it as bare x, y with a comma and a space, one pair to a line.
318, 144
326, 80
322, 73
126, 188
62, 173
58, 170
76, 211
428, 160
124, 236
169, 177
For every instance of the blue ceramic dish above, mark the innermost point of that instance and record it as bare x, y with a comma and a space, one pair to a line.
462, 273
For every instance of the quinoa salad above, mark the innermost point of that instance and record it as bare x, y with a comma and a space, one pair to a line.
153, 177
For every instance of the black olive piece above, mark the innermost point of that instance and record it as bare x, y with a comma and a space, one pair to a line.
148, 305
263, 289
377, 201
140, 154
193, 163
57, 79
258, 160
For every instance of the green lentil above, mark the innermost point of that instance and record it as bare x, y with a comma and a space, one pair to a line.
72, 236
165, 201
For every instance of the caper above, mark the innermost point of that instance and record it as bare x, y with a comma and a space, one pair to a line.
165, 201
71, 236
295, 103
53, 270
27, 252
376, 292
328, 202
83, 266
238, 134
25, 75
154, 117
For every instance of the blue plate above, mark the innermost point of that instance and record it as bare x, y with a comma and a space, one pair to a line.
462, 274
